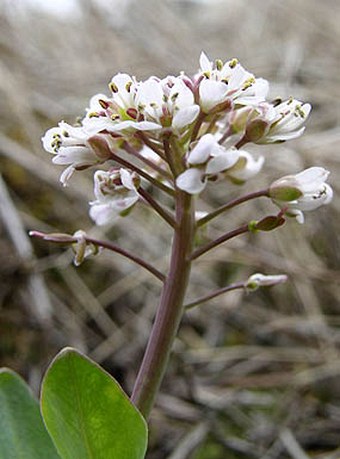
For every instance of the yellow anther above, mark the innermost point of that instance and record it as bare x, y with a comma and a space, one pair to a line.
248, 83
233, 63
219, 64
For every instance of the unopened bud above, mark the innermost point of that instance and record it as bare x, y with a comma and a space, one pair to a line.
256, 129
268, 223
261, 280
285, 189
100, 147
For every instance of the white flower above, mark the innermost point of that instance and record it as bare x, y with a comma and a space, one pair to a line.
302, 192
70, 146
123, 88
261, 280
168, 102
246, 167
287, 123
225, 83
116, 193
207, 158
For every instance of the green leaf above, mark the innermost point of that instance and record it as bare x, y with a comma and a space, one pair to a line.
87, 413
22, 431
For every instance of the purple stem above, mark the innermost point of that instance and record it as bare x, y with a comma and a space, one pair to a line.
158, 208
230, 204
170, 309
132, 151
66, 238
225, 237
214, 294
143, 174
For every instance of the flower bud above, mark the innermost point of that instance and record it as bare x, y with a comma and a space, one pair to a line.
100, 147
261, 280
256, 129
267, 224
285, 189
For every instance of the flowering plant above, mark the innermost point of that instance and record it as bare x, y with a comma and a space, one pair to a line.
172, 137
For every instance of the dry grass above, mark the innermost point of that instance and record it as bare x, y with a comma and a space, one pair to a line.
251, 376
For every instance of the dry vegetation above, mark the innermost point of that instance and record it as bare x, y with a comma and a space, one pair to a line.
252, 376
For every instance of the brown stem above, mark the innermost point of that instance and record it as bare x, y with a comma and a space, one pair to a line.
230, 204
149, 143
143, 174
158, 208
170, 309
225, 237
66, 238
132, 151
214, 294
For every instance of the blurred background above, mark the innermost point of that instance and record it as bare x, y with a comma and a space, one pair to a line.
251, 376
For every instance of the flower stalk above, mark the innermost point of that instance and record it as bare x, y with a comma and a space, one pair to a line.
229, 205
170, 309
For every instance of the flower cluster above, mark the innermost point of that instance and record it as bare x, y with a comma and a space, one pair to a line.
187, 132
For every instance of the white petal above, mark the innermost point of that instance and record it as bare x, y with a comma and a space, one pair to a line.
181, 95
66, 175
238, 77
78, 156
134, 125
311, 178
212, 93
205, 64
95, 125
185, 116
282, 137
222, 162
126, 178
251, 167
203, 149
191, 181
149, 93
103, 214
48, 138
312, 201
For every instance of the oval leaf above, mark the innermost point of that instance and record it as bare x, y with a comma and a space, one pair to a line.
87, 413
22, 431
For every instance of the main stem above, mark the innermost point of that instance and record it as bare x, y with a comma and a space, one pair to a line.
170, 309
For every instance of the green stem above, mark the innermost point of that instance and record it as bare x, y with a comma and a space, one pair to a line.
170, 309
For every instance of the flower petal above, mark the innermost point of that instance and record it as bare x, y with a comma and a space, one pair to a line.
211, 94
185, 116
191, 181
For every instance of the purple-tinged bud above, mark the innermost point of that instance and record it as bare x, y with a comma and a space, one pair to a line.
267, 224
256, 129
100, 147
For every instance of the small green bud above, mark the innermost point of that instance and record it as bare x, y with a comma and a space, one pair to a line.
285, 190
